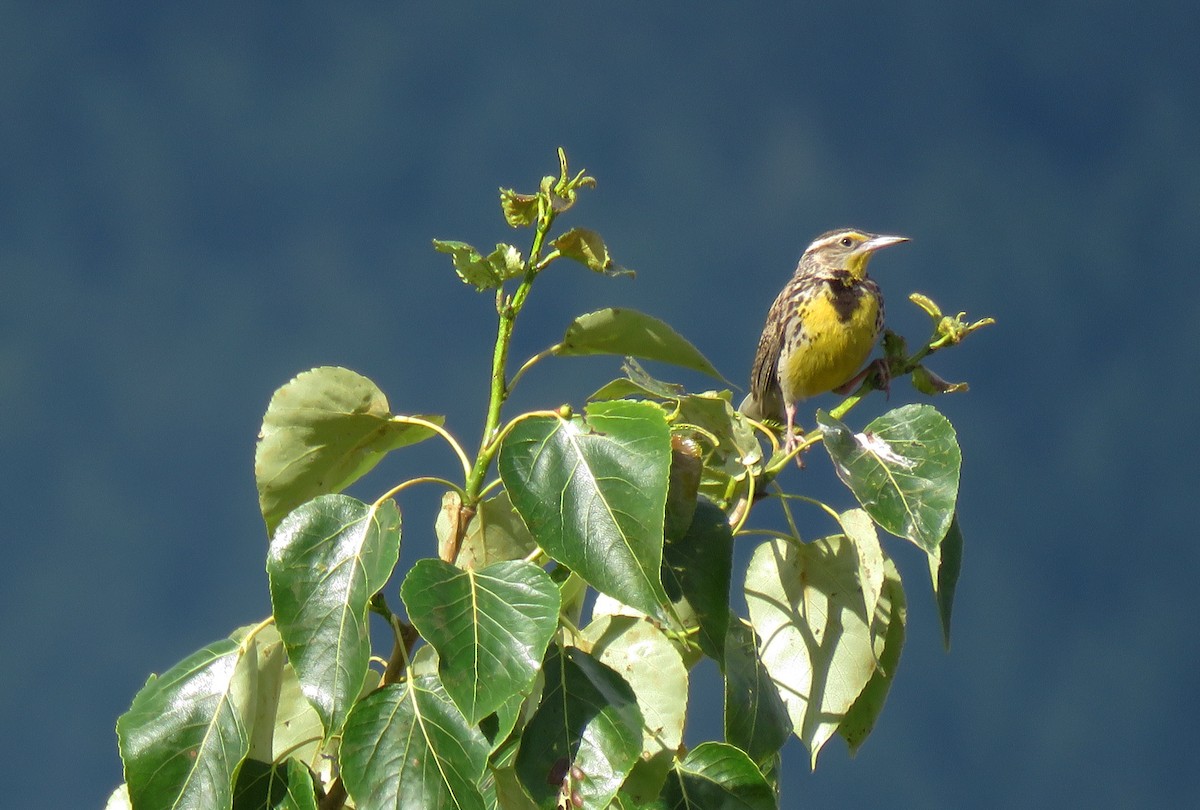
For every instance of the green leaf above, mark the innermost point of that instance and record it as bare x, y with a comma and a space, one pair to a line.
903, 469
816, 642
322, 431
716, 775
756, 719
888, 633
651, 665
637, 383
585, 735
490, 627
409, 746
697, 568
860, 530
593, 494
185, 735
588, 248
944, 567
628, 332
520, 210
286, 785
326, 561
483, 272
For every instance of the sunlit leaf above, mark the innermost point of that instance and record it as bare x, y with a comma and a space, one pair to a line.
815, 638
408, 746
888, 631
489, 626
628, 332
860, 530
585, 735
185, 735
903, 469
520, 210
326, 561
479, 271
322, 431
717, 775
649, 662
593, 493
588, 248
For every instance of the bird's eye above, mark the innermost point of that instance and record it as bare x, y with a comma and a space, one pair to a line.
847, 241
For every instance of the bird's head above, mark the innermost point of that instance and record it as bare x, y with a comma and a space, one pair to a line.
847, 250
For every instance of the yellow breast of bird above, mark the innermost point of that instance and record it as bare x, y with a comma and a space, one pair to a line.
836, 330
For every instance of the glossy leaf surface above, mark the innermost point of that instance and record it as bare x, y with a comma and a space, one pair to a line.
593, 493
326, 561
490, 627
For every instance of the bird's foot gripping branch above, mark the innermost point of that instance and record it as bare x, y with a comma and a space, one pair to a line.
495, 690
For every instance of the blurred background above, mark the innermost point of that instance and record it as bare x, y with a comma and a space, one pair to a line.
197, 203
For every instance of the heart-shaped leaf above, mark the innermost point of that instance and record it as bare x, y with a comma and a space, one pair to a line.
322, 431
409, 746
903, 469
584, 737
816, 641
490, 627
715, 774
185, 735
593, 493
326, 561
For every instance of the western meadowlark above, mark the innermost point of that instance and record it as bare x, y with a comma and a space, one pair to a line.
821, 328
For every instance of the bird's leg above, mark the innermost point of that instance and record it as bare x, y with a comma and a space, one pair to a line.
791, 441
882, 374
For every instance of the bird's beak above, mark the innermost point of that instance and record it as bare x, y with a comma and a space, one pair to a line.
876, 242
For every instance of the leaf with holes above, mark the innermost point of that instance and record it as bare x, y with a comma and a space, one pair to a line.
326, 561
903, 469
490, 627
593, 493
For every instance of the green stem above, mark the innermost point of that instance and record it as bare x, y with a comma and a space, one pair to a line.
508, 310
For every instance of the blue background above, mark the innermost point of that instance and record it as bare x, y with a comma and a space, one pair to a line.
197, 204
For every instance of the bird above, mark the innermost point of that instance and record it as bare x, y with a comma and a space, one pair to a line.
821, 328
